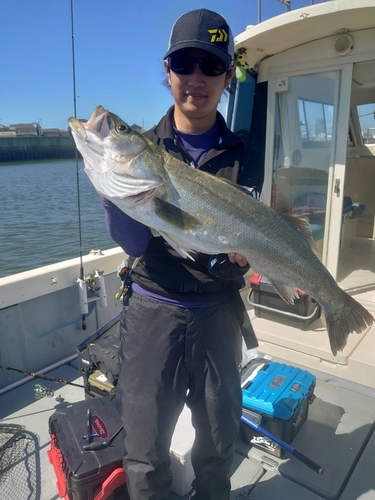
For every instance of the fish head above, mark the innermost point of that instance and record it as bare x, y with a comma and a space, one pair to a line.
118, 159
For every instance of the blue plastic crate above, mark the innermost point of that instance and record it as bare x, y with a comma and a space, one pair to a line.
278, 398
278, 390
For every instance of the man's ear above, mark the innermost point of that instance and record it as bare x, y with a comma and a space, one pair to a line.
230, 74
167, 71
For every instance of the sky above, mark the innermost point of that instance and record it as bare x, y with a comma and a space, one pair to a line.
119, 49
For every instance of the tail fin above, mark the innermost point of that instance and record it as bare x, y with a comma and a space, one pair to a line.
351, 317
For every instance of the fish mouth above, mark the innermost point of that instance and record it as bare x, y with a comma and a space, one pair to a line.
97, 119
93, 124
77, 127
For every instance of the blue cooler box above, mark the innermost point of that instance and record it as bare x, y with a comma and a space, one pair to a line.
277, 398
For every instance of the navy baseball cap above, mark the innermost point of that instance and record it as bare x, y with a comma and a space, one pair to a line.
202, 29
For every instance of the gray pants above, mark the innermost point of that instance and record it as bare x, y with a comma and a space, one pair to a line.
168, 356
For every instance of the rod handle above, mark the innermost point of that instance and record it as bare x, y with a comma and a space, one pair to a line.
297, 454
94, 446
307, 461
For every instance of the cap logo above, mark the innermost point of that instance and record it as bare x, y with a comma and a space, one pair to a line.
218, 35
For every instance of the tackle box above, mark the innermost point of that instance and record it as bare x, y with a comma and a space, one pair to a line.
268, 304
98, 360
98, 475
277, 397
97, 385
87, 475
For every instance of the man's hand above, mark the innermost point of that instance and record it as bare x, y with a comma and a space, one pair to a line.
236, 258
230, 266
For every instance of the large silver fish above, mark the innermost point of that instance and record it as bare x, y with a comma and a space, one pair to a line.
195, 211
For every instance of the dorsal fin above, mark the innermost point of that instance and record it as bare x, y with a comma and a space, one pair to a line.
303, 227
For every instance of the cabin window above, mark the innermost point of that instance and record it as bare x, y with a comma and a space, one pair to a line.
304, 147
316, 119
366, 116
363, 105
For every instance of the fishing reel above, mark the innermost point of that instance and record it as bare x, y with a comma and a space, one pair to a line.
41, 391
92, 283
96, 285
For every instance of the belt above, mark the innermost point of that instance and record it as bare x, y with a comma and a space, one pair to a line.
184, 288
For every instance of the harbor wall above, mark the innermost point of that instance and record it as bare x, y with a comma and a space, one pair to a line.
38, 147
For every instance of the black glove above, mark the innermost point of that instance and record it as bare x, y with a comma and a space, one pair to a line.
221, 267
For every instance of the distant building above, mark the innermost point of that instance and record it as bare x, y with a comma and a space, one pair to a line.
51, 132
26, 129
30, 130
6, 132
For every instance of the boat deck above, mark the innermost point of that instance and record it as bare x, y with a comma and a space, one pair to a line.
338, 434
26, 472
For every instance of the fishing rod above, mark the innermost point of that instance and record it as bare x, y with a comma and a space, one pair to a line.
287, 447
43, 377
82, 274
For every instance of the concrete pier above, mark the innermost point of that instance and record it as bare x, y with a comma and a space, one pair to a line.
36, 147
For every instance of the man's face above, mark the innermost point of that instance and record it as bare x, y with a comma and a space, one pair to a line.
197, 95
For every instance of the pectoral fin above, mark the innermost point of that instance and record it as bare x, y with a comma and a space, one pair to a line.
175, 216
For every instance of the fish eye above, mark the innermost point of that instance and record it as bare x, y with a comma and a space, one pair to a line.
121, 127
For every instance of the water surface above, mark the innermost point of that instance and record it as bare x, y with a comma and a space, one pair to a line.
39, 222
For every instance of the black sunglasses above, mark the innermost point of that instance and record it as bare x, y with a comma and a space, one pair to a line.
183, 64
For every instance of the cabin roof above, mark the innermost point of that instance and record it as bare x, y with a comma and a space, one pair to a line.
304, 25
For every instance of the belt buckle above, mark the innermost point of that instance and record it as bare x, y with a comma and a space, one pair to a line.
190, 288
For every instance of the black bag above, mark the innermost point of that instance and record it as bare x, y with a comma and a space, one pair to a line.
100, 352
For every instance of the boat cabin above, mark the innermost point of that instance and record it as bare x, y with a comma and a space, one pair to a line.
309, 103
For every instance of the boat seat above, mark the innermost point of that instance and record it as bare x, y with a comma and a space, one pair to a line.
356, 210
313, 206
317, 229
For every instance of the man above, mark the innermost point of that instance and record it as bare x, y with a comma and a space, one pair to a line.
182, 325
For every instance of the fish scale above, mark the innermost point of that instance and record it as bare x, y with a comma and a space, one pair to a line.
197, 212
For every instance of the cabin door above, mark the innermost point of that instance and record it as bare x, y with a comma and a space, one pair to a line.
356, 271
309, 130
